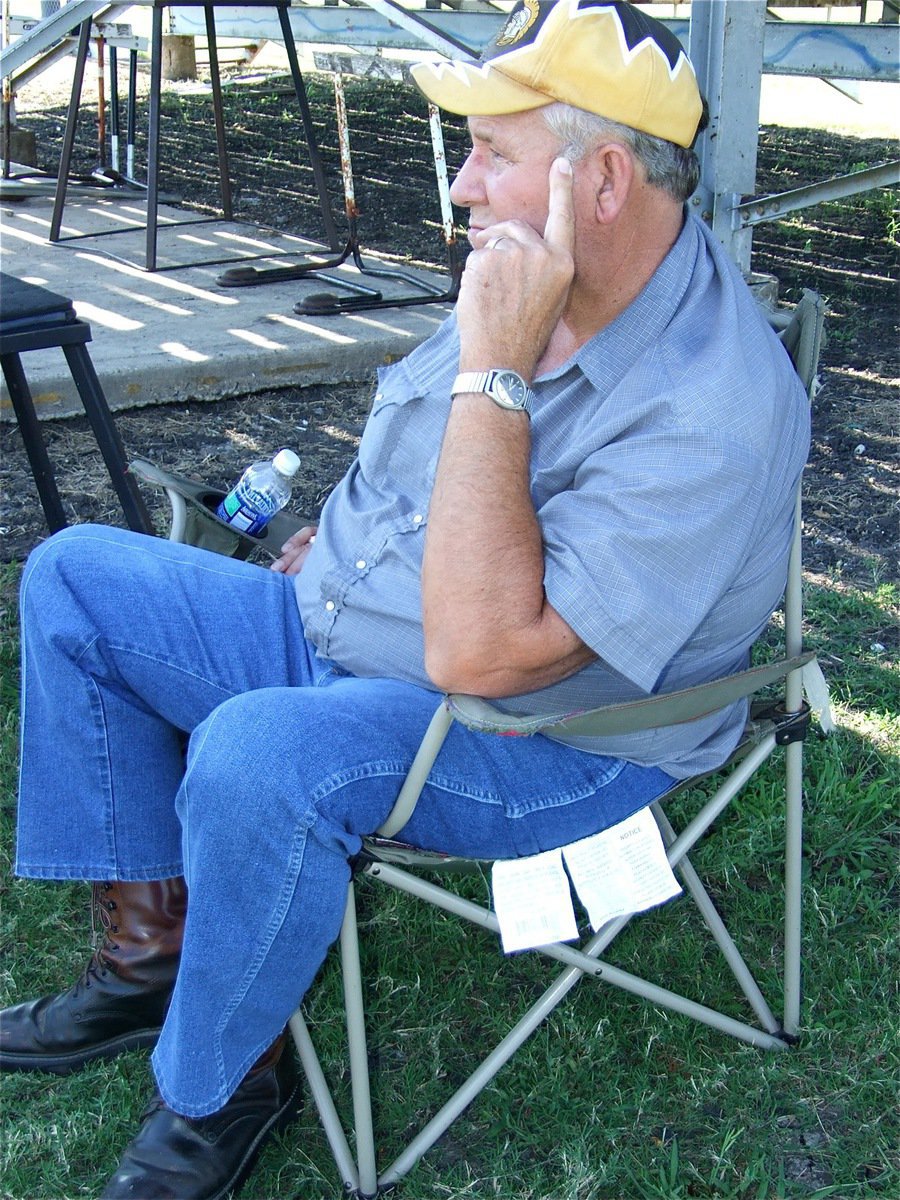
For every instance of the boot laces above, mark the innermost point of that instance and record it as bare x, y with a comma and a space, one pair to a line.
102, 908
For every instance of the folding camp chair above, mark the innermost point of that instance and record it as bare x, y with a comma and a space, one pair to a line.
774, 723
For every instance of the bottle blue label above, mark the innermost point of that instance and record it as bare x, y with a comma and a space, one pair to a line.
248, 509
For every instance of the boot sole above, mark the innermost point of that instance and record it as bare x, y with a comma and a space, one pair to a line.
65, 1064
278, 1121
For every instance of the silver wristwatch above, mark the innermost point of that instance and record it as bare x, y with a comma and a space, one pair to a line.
506, 388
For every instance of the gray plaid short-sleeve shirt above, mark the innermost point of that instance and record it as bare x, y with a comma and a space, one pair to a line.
665, 459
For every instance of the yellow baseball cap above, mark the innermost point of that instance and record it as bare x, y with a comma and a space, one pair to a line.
607, 58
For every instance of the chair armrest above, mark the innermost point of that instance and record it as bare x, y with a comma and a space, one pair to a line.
670, 709
195, 523
614, 719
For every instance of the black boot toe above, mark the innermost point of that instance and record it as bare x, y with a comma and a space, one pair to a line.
206, 1158
98, 1017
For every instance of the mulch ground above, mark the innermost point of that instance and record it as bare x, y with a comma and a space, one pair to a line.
846, 250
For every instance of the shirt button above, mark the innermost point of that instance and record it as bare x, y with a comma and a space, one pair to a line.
360, 564
418, 519
329, 606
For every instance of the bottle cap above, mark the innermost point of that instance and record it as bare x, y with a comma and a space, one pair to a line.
286, 463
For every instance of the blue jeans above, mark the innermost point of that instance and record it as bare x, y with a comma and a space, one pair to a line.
175, 720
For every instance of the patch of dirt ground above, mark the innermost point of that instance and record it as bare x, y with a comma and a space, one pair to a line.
846, 250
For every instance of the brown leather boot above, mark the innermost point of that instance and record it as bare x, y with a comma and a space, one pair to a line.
121, 998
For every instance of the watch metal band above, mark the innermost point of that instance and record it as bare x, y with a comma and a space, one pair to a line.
472, 381
505, 387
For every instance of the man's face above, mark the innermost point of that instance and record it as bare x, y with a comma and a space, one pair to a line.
507, 173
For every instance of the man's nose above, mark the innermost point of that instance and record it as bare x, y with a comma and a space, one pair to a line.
466, 189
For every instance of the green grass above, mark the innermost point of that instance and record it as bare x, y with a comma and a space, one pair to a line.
611, 1097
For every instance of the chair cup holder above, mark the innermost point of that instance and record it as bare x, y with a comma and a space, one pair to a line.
210, 501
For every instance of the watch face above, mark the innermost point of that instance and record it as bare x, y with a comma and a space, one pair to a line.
511, 388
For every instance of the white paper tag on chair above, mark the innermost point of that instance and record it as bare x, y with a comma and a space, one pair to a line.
621, 870
533, 901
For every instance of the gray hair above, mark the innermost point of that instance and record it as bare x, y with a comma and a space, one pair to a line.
674, 169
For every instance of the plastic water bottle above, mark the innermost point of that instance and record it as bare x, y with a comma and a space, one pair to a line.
262, 491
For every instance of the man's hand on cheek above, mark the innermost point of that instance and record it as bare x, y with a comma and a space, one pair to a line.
516, 284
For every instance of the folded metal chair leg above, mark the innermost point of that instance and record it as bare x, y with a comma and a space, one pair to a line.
719, 931
321, 1094
358, 1049
360, 1178
793, 912
793, 834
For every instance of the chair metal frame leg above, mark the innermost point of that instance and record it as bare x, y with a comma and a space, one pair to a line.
793, 900
713, 921
579, 962
321, 1094
29, 427
107, 437
71, 339
215, 79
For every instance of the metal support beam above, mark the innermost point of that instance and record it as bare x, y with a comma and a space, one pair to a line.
834, 50
46, 33
773, 208
421, 29
726, 48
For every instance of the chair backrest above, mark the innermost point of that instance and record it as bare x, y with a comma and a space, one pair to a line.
802, 334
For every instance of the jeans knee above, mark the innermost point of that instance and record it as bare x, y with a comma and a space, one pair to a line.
238, 788
66, 556
236, 744
86, 562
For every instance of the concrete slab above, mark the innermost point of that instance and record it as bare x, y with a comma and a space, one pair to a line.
175, 335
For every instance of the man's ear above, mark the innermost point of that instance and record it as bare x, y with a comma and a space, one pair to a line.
611, 170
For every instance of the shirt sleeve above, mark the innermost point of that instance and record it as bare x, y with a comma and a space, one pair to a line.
647, 540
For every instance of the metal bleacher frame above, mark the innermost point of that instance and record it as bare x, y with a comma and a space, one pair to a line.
731, 42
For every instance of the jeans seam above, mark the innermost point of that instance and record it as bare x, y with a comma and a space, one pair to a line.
93, 872
288, 889
96, 702
228, 693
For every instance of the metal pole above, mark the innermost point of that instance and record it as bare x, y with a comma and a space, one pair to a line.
793, 832
726, 48
101, 102
219, 116
153, 136
65, 158
331, 232
7, 101
114, 107
131, 115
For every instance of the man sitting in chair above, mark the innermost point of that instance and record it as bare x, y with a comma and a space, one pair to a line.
572, 494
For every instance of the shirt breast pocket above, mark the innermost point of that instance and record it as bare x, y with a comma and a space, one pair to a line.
402, 437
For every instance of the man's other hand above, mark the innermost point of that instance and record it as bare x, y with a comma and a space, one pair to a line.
295, 550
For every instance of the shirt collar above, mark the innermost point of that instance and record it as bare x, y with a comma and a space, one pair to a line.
611, 351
